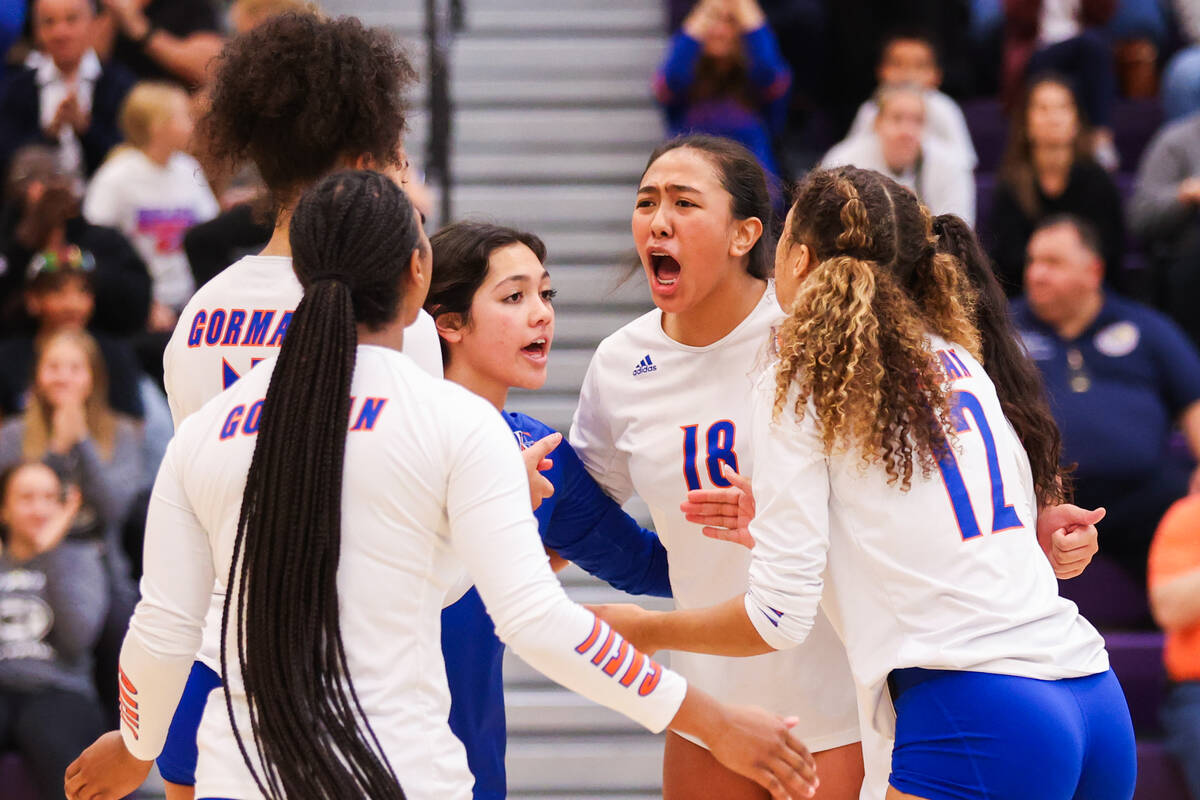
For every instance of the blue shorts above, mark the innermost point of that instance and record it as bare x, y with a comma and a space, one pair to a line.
971, 735
177, 762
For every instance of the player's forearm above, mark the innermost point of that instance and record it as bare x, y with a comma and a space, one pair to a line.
1176, 603
721, 630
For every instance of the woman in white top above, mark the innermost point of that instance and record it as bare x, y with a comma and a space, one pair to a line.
891, 491
336, 494
665, 406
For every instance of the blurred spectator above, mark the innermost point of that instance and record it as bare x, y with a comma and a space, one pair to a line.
1047, 170
894, 146
12, 21
62, 299
911, 58
1065, 37
69, 99
1174, 583
1119, 376
212, 246
723, 75
1181, 77
153, 192
164, 39
41, 228
1163, 214
54, 593
247, 14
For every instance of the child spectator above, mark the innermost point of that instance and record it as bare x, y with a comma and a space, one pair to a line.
62, 299
70, 425
54, 593
1048, 170
1174, 583
897, 146
1163, 214
41, 229
69, 99
724, 75
153, 192
911, 58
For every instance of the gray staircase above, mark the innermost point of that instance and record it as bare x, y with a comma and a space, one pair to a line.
554, 119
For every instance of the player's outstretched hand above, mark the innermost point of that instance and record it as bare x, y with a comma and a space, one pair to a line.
760, 746
630, 621
536, 463
724, 513
1069, 538
751, 742
106, 770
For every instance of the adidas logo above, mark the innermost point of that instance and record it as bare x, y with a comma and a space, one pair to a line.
644, 366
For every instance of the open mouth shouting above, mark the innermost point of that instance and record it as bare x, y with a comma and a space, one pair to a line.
537, 350
666, 271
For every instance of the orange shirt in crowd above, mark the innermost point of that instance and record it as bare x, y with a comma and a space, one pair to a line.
1175, 551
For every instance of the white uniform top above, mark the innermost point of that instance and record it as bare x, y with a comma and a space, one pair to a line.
433, 482
236, 320
153, 205
656, 417
947, 575
239, 318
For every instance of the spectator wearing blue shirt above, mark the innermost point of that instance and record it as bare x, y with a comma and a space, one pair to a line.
724, 75
491, 299
1120, 377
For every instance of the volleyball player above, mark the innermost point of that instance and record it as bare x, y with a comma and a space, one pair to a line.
298, 97
333, 493
666, 403
887, 480
493, 303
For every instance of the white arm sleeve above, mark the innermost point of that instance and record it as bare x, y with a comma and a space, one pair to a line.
164, 634
593, 439
494, 532
790, 528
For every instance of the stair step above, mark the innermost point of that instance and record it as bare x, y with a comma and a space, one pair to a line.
630, 762
587, 284
549, 90
478, 57
551, 710
621, 168
549, 131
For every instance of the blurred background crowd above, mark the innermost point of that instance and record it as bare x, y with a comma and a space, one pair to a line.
1066, 131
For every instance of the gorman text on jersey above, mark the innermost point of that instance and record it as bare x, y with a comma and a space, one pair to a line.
223, 327
245, 420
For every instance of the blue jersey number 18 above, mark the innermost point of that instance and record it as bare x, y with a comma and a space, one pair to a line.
1004, 516
719, 440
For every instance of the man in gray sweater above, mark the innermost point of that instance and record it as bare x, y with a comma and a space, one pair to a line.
1163, 215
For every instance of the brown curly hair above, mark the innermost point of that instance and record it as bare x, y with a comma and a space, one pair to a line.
855, 341
298, 94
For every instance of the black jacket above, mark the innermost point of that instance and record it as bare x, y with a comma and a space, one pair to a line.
20, 115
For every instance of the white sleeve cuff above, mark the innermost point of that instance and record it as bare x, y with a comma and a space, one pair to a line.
766, 621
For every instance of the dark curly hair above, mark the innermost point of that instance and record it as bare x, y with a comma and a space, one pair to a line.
299, 93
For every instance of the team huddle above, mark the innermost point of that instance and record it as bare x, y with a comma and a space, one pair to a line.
857, 507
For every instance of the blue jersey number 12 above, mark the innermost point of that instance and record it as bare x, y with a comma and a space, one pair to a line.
1004, 516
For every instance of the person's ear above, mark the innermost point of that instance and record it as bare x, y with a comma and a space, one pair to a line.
746, 234
450, 326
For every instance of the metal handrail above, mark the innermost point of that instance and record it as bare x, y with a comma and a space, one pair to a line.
443, 20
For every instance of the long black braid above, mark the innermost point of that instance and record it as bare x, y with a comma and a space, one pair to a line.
352, 236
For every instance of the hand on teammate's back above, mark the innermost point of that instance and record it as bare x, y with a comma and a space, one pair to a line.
1068, 536
105, 771
536, 463
724, 513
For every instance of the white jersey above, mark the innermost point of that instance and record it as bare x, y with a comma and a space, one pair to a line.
658, 418
947, 575
433, 482
238, 319
153, 205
